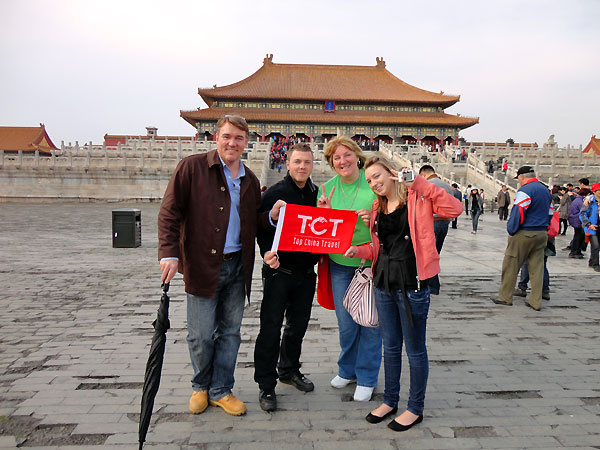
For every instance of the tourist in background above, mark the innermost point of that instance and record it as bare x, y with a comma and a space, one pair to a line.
550, 250
589, 219
503, 199
566, 197
360, 356
403, 252
440, 223
555, 193
578, 242
457, 195
528, 235
482, 195
476, 207
466, 196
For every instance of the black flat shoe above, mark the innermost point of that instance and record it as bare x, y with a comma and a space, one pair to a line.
393, 425
372, 418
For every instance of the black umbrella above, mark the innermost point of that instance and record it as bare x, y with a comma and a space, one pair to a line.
155, 363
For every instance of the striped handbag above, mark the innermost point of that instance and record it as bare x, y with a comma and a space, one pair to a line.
359, 300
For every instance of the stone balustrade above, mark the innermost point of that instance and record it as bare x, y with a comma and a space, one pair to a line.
552, 167
140, 169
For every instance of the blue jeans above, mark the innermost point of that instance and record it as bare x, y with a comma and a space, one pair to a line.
440, 230
214, 331
396, 329
524, 280
360, 357
475, 217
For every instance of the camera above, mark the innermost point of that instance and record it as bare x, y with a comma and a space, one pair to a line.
409, 175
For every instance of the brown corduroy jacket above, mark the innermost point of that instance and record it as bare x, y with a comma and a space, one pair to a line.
193, 219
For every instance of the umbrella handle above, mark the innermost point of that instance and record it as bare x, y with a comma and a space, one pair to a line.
165, 287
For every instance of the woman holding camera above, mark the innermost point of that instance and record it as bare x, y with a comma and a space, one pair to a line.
403, 253
360, 356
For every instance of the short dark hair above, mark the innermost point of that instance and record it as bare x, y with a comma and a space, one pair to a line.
301, 147
454, 185
569, 185
584, 181
427, 169
563, 188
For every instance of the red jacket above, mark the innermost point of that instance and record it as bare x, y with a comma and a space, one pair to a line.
424, 200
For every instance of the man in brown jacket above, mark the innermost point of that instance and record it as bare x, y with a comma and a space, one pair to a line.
503, 200
207, 224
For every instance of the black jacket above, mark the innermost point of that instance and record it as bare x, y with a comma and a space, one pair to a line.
288, 191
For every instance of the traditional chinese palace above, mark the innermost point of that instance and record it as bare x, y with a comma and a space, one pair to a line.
26, 139
316, 102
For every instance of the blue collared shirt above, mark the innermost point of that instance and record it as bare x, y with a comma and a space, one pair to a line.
233, 241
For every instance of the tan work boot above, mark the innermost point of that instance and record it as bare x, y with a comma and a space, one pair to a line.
198, 402
231, 405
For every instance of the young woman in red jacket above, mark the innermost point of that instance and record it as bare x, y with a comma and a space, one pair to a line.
404, 257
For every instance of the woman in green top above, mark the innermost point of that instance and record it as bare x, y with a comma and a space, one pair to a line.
360, 356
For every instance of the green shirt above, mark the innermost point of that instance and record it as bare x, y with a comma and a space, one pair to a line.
350, 199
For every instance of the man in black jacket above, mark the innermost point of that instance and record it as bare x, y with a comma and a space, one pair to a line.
287, 291
457, 195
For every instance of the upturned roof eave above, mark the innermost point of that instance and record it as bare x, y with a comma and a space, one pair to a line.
209, 96
192, 117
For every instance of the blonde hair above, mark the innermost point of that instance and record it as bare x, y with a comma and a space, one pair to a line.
235, 120
401, 189
346, 141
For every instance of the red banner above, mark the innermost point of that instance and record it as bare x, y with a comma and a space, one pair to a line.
314, 230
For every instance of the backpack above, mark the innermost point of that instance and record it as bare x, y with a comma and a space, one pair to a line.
554, 225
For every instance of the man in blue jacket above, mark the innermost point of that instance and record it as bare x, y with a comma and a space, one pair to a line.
527, 229
590, 221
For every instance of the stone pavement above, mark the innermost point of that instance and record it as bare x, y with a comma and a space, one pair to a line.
76, 327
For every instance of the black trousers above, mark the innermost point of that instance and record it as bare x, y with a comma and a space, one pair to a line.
577, 244
289, 296
565, 223
503, 212
594, 251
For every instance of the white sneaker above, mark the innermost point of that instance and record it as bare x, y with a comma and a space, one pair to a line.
363, 393
339, 382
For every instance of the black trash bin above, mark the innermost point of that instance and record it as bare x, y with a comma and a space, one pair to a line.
126, 228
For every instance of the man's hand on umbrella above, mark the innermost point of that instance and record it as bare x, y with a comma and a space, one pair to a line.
168, 267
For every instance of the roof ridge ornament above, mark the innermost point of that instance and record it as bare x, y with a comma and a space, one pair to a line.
268, 59
380, 62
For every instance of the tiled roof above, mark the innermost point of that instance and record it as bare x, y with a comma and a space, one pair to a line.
325, 82
593, 146
26, 139
339, 117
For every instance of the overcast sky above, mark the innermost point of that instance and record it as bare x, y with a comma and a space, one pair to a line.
527, 68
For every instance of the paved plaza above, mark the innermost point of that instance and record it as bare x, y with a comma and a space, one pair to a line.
76, 329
